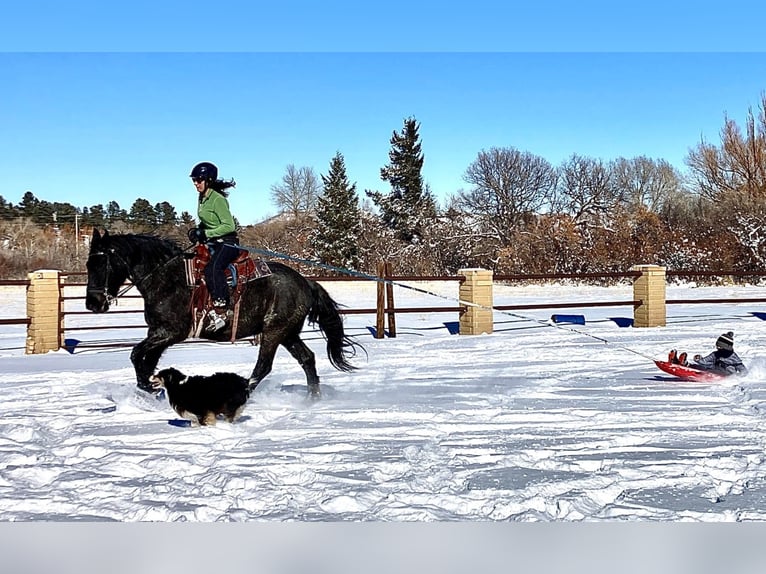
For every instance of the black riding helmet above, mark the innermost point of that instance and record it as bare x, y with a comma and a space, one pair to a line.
205, 170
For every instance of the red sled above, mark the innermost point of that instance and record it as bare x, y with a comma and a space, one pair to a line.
689, 373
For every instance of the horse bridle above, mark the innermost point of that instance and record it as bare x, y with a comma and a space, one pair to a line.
103, 291
133, 282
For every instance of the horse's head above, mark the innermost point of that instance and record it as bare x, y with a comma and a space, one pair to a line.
106, 272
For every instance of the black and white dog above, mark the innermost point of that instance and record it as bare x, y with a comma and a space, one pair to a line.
202, 398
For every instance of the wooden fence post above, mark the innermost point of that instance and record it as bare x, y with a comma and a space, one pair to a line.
476, 288
380, 306
649, 288
390, 301
44, 309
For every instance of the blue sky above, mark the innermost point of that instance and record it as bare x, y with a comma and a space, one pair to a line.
102, 104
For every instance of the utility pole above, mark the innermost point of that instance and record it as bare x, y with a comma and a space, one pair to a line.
77, 235
56, 227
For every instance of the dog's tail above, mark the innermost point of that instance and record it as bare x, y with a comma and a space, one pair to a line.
324, 312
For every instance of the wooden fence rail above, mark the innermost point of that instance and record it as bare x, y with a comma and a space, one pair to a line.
474, 308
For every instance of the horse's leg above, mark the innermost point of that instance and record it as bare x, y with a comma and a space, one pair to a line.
266, 352
146, 355
306, 360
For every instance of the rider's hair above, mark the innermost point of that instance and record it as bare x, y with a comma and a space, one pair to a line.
221, 186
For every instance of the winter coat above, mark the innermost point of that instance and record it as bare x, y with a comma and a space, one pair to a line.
720, 361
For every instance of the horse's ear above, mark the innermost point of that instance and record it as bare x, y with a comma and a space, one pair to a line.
98, 238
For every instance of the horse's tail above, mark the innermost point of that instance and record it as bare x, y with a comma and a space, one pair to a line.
324, 312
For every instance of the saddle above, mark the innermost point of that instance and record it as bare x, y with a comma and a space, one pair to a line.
238, 274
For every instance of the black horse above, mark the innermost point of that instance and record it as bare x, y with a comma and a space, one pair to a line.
275, 306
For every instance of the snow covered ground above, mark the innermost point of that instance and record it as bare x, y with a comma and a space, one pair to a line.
532, 423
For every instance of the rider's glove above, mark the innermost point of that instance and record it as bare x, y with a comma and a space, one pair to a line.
197, 235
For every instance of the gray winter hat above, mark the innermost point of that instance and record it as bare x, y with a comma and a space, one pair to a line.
725, 342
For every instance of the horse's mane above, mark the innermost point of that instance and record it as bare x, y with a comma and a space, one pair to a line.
143, 241
144, 246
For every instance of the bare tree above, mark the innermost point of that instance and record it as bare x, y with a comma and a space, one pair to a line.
732, 178
748, 227
587, 190
648, 182
738, 165
508, 187
298, 191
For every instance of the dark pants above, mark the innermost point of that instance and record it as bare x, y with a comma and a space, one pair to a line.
221, 254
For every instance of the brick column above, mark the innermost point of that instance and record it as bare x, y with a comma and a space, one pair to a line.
649, 287
477, 288
44, 311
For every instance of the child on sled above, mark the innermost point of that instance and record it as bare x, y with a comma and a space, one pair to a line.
723, 360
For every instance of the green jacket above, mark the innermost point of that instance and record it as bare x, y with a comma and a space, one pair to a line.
214, 215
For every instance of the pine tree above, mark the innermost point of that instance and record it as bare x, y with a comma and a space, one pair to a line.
142, 212
187, 220
115, 213
165, 213
409, 206
29, 205
7, 210
338, 219
95, 216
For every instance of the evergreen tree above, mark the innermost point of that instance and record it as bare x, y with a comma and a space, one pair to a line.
7, 210
65, 212
44, 212
409, 206
165, 213
187, 219
28, 206
95, 216
115, 213
142, 212
39, 211
336, 236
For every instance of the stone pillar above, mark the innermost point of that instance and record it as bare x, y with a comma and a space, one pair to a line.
476, 288
649, 288
44, 309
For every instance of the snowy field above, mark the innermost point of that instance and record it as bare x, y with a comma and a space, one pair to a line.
534, 423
